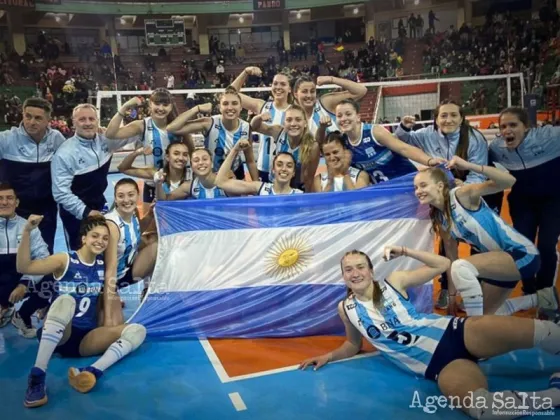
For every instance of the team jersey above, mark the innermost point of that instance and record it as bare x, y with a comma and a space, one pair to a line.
220, 141
129, 241
267, 188
339, 180
485, 230
378, 161
84, 283
198, 191
405, 337
264, 158
315, 121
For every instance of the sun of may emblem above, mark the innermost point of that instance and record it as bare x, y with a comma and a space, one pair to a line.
288, 257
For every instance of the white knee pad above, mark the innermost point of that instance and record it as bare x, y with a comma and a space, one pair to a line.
464, 277
135, 334
62, 310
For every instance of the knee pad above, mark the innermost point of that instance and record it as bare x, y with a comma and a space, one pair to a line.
464, 277
62, 309
135, 334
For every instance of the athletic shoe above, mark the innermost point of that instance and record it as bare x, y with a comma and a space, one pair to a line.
547, 304
25, 330
6, 315
83, 379
36, 394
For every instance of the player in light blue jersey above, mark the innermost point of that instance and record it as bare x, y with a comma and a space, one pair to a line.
71, 326
221, 132
340, 176
202, 186
151, 131
177, 168
293, 137
283, 171
374, 149
281, 100
443, 349
127, 260
305, 94
460, 214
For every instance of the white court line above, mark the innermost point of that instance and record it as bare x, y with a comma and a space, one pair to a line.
225, 378
237, 401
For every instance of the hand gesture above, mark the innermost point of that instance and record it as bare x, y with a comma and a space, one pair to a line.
133, 103
32, 222
205, 108
458, 182
242, 144
146, 151
324, 80
435, 161
458, 163
318, 362
390, 252
408, 121
346, 161
95, 213
17, 294
265, 117
159, 177
325, 121
253, 71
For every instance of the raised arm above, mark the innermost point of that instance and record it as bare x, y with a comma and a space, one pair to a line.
470, 194
126, 167
433, 266
111, 263
478, 155
54, 264
258, 125
418, 138
115, 131
250, 104
352, 90
235, 186
179, 123
351, 346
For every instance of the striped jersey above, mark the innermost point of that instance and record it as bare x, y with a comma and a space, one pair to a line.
339, 180
198, 191
220, 141
405, 337
267, 188
378, 161
129, 241
485, 230
314, 122
84, 283
264, 158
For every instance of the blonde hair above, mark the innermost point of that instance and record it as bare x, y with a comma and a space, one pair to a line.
436, 215
307, 139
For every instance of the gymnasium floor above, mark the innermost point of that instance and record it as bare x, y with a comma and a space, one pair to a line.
242, 379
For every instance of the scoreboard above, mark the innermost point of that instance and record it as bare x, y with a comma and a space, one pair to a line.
164, 32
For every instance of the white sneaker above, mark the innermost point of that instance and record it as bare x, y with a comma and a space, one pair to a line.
23, 330
6, 315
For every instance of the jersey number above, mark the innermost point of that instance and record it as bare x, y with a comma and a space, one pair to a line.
83, 307
379, 176
403, 338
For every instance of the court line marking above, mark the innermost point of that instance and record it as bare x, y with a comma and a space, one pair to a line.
225, 378
237, 401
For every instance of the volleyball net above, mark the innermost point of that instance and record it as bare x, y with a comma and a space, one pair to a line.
482, 98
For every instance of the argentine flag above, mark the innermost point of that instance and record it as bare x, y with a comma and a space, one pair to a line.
270, 266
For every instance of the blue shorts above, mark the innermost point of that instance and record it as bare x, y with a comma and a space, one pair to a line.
527, 264
264, 176
148, 193
451, 347
126, 280
72, 346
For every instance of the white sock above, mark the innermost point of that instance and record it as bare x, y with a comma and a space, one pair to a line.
514, 305
114, 353
53, 331
499, 405
547, 336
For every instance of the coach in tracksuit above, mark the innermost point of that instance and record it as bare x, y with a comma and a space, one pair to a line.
79, 172
14, 286
25, 163
532, 156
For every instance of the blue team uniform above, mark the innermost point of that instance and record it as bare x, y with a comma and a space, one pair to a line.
267, 188
264, 159
220, 141
421, 344
199, 192
484, 230
378, 161
127, 248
